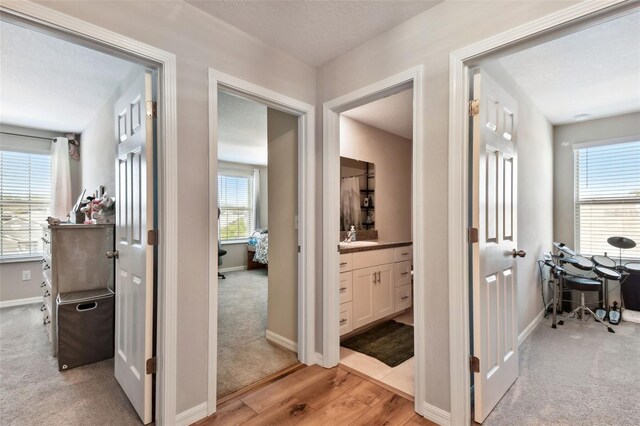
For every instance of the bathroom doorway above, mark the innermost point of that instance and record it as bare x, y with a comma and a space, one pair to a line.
375, 284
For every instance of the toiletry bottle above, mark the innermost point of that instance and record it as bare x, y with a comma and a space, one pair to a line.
353, 233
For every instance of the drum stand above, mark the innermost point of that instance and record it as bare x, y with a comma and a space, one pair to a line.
582, 308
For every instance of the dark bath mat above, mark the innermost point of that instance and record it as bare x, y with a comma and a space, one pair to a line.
390, 342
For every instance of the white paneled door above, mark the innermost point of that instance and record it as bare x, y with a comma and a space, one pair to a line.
134, 260
495, 328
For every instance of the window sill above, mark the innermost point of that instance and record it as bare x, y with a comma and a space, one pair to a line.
20, 259
238, 241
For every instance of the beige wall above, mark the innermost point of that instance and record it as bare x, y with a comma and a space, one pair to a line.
282, 136
199, 41
535, 195
391, 156
98, 143
427, 39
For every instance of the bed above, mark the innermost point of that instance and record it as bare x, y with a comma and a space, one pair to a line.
258, 249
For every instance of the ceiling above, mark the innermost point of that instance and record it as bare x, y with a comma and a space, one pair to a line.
311, 30
242, 130
48, 83
595, 72
393, 114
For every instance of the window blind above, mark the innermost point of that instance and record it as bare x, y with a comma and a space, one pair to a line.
235, 196
607, 197
25, 187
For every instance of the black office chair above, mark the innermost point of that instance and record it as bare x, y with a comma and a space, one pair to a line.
221, 252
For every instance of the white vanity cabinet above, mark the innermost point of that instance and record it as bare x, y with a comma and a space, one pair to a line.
373, 285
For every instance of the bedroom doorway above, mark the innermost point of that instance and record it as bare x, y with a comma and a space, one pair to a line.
257, 275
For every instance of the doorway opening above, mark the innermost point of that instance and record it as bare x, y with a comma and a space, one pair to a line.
526, 191
353, 260
64, 124
264, 139
376, 255
258, 243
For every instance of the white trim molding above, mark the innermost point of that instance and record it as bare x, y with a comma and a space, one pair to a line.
532, 326
412, 78
20, 302
306, 213
281, 341
192, 415
458, 164
82, 31
436, 415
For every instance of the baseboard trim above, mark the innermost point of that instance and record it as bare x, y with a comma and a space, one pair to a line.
20, 302
532, 326
436, 415
192, 415
281, 341
233, 269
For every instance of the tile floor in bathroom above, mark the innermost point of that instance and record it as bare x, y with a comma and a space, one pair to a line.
400, 377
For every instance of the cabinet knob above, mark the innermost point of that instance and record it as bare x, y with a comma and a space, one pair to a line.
342, 321
43, 307
404, 297
113, 254
343, 288
43, 284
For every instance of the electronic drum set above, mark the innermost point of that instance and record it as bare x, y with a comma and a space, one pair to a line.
591, 274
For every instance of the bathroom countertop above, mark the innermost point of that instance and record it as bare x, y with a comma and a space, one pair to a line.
380, 246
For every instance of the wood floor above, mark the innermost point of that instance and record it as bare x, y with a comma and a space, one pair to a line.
319, 396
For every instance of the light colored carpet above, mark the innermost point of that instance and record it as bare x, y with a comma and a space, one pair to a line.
576, 374
244, 355
34, 392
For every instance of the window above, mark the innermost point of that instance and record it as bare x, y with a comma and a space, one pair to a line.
607, 197
25, 185
237, 208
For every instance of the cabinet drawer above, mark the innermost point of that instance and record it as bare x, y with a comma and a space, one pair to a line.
402, 273
403, 253
346, 318
346, 286
346, 262
365, 259
403, 297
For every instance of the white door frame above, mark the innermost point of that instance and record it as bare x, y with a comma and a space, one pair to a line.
166, 347
459, 63
306, 215
331, 219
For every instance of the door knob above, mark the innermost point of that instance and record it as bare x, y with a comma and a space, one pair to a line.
518, 253
113, 254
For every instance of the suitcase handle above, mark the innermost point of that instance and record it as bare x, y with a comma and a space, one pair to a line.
86, 306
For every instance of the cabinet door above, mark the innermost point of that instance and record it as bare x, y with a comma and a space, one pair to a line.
383, 292
363, 309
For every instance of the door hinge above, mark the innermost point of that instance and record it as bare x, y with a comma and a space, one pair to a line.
474, 363
152, 109
152, 365
152, 237
299, 249
473, 235
474, 107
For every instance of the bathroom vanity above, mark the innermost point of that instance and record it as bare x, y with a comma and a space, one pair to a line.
375, 281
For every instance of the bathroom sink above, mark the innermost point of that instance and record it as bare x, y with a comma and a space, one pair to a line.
355, 244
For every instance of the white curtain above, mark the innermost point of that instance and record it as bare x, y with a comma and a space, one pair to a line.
60, 179
350, 203
256, 199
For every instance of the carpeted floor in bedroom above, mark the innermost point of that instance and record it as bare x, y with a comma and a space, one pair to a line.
34, 392
577, 374
244, 354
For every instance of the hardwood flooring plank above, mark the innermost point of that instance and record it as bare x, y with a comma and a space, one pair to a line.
341, 411
392, 410
277, 392
321, 393
418, 420
369, 393
291, 411
236, 413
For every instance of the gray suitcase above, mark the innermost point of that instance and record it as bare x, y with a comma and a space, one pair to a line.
85, 327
